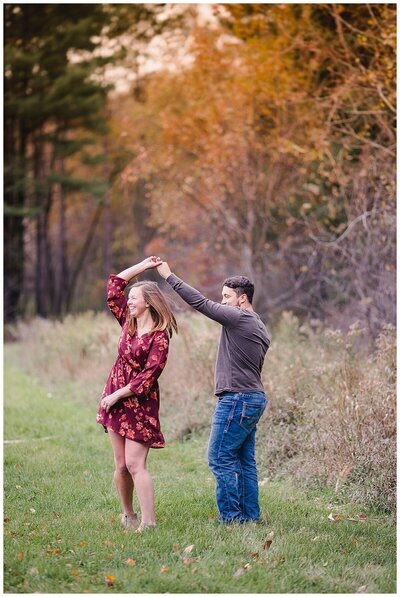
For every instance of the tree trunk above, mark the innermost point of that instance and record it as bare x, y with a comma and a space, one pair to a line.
61, 272
82, 256
107, 220
42, 243
14, 150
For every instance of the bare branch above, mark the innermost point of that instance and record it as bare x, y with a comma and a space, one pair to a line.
361, 218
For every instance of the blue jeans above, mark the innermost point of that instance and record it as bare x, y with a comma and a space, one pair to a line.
231, 455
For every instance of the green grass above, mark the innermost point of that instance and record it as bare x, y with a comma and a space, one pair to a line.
62, 534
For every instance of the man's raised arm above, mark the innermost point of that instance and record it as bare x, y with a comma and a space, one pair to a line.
223, 314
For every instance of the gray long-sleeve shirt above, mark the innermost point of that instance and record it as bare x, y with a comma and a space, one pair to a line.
243, 343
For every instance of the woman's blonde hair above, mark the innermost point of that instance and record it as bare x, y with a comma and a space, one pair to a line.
160, 311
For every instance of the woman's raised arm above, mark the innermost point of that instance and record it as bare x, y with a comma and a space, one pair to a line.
135, 270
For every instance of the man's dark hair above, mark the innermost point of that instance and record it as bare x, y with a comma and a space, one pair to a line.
241, 285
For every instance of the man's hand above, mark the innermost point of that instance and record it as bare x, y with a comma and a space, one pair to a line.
151, 262
163, 270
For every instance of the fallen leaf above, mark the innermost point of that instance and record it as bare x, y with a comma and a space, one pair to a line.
75, 572
188, 549
20, 556
130, 562
13, 534
239, 572
107, 543
267, 544
109, 580
362, 589
176, 547
255, 555
82, 544
32, 510
271, 535
211, 518
335, 517
6, 519
164, 569
187, 561
315, 538
247, 566
54, 551
18, 487
325, 564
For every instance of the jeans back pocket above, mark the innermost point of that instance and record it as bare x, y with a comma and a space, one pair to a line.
251, 414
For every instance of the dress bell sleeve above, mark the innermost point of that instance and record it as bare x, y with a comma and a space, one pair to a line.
155, 363
116, 300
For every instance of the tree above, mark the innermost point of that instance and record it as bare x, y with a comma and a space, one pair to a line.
275, 149
47, 98
54, 111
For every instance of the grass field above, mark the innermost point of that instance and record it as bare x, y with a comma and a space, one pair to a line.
62, 535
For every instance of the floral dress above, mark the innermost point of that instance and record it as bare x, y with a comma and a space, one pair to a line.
139, 364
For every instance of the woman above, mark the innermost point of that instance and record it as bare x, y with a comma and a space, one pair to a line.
130, 402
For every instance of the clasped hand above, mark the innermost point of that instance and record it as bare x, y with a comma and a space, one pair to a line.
162, 266
108, 401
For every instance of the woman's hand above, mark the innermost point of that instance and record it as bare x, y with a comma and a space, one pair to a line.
151, 262
108, 401
163, 269
139, 268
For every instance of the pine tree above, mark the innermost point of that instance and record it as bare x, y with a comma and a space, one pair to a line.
54, 110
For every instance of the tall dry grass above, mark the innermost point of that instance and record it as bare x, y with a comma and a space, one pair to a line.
331, 418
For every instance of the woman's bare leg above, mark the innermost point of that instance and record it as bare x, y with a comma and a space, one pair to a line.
135, 458
122, 477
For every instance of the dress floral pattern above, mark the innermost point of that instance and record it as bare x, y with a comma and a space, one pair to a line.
140, 362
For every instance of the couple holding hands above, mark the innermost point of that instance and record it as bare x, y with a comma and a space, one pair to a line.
129, 407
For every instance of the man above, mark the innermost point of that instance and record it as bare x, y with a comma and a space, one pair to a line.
243, 344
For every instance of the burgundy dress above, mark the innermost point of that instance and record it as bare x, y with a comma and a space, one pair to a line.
140, 362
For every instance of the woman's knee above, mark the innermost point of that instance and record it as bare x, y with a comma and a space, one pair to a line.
135, 467
121, 468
